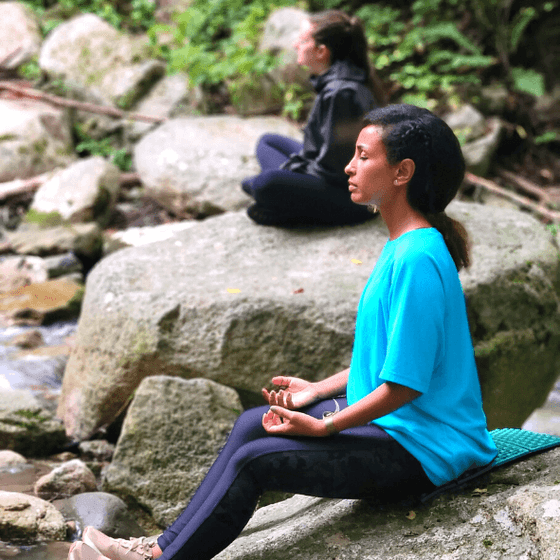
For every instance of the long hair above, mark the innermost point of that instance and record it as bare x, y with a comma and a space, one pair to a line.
345, 38
415, 133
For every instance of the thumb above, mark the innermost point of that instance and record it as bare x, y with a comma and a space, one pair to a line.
282, 412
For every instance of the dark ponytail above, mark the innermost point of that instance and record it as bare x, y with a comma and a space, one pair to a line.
455, 236
416, 133
345, 38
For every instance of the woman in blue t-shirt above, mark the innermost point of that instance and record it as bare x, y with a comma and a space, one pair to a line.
413, 417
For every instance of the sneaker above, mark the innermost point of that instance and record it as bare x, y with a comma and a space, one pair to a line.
119, 549
81, 551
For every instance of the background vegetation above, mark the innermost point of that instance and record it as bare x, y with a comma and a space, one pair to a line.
434, 53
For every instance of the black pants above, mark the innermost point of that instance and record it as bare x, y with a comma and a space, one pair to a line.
360, 462
303, 198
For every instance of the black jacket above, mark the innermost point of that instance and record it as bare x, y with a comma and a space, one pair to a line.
343, 98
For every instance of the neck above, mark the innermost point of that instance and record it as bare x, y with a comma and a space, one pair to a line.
401, 218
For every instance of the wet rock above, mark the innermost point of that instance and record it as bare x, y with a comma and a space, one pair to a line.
68, 479
83, 192
10, 459
20, 32
16, 272
28, 339
161, 454
41, 303
101, 510
27, 427
34, 138
195, 165
97, 450
90, 54
81, 239
27, 519
232, 301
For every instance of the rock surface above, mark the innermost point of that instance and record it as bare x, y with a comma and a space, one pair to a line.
68, 479
21, 35
89, 54
234, 302
34, 138
103, 511
27, 519
81, 239
196, 164
83, 192
514, 513
44, 302
26, 427
172, 434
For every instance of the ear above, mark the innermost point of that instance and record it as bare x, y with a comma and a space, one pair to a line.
324, 53
405, 171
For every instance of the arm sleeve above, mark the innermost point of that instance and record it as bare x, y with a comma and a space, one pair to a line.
340, 123
416, 323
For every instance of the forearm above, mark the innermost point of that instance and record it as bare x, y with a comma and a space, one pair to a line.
333, 385
385, 399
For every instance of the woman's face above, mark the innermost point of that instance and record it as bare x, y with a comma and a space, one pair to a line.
371, 176
309, 54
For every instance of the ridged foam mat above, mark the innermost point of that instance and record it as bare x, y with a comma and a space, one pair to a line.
513, 444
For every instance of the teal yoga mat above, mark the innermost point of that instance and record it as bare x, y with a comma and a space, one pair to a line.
513, 444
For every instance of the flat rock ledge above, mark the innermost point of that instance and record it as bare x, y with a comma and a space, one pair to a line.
513, 512
236, 303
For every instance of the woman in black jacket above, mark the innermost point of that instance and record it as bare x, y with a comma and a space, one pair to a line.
305, 183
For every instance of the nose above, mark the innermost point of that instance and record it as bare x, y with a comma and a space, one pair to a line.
349, 169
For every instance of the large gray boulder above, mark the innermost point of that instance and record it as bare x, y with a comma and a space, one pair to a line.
173, 432
514, 513
34, 138
90, 55
20, 32
237, 303
195, 165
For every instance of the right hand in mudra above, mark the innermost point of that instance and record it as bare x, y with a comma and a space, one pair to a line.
291, 392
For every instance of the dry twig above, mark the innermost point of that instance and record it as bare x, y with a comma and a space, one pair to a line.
527, 186
521, 201
58, 101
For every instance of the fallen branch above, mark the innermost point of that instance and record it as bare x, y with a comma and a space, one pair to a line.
523, 202
22, 186
10, 56
30, 185
526, 186
58, 101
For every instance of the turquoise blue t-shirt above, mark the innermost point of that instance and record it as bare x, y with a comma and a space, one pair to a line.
412, 329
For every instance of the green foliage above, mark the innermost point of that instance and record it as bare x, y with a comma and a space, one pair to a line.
215, 41
30, 70
88, 146
295, 99
548, 137
139, 17
426, 57
528, 81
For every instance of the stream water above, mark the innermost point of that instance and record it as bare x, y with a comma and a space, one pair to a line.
42, 373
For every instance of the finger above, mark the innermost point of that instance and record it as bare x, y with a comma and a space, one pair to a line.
290, 401
266, 395
281, 412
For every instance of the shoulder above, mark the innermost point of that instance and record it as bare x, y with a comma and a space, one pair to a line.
423, 252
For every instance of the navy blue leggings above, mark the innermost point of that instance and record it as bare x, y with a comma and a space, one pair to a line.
361, 462
303, 197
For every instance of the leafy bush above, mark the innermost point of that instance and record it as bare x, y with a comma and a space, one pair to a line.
88, 146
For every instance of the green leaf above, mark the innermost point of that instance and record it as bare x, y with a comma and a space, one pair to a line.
528, 81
